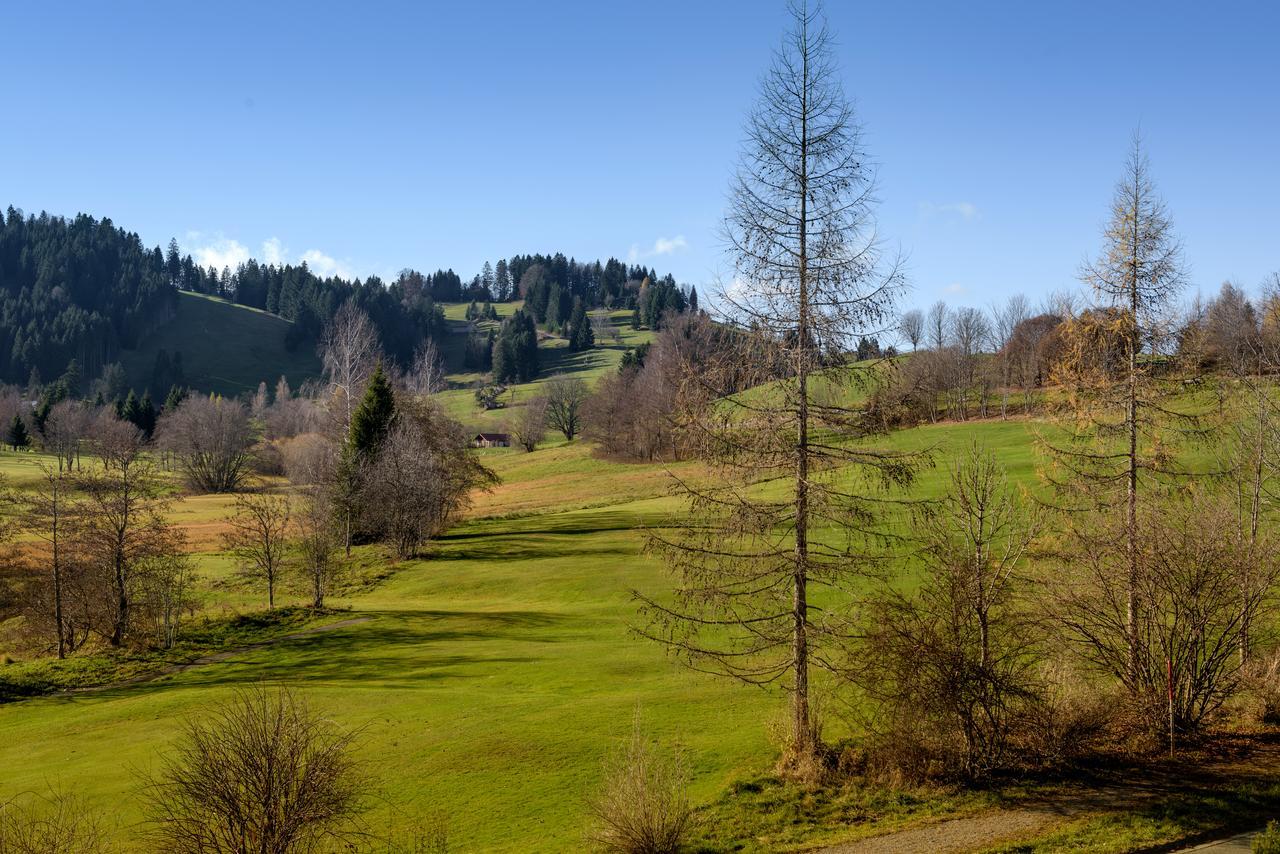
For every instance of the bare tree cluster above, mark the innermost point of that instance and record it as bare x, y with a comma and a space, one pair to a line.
98, 558
212, 440
420, 480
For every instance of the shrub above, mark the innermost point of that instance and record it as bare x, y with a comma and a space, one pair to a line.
1262, 685
643, 807
1268, 841
49, 824
1066, 720
264, 773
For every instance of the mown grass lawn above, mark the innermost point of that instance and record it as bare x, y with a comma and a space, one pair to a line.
497, 670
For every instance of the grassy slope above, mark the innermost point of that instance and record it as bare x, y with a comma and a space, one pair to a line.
498, 670
225, 348
554, 357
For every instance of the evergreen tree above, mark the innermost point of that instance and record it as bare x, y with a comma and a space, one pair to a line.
147, 415
177, 394
693, 300
17, 436
581, 336
504, 365
515, 352
554, 320
372, 419
132, 410
71, 378
173, 263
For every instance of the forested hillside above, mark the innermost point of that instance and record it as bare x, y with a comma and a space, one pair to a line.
79, 289
83, 290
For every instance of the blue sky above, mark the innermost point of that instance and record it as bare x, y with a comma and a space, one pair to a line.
370, 137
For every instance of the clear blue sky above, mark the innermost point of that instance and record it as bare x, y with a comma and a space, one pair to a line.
441, 134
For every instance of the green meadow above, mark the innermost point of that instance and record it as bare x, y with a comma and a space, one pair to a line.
491, 676
226, 348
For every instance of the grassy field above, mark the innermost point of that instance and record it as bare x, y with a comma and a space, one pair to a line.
226, 348
494, 675
554, 358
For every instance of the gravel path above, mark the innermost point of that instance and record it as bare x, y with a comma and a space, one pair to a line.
956, 835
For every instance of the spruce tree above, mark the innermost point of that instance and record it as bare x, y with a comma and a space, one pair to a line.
175, 398
504, 368
147, 415
17, 436
132, 410
372, 419
581, 337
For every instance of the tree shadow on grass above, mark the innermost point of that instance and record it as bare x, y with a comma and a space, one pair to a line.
401, 649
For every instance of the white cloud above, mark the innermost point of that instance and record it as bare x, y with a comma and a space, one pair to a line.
326, 265
956, 288
273, 252
963, 210
216, 250
661, 246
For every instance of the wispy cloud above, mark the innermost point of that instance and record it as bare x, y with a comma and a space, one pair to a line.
217, 250
661, 246
955, 288
273, 252
326, 265
962, 210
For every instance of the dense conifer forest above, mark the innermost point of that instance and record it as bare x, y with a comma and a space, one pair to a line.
82, 289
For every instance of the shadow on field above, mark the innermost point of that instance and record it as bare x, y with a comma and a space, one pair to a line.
507, 540
401, 649
562, 360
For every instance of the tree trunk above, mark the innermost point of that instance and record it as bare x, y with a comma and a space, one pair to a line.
1131, 515
802, 731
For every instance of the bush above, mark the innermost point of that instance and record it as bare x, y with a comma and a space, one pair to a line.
1262, 689
264, 773
1268, 841
643, 807
1066, 721
49, 824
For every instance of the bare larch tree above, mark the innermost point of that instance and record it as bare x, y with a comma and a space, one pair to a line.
808, 280
1117, 401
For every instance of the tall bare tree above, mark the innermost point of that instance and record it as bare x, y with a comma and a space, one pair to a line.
1140, 272
427, 375
949, 663
68, 425
912, 327
349, 351
123, 524
316, 545
566, 397
938, 325
809, 278
1007, 319
211, 439
1118, 443
49, 513
259, 537
529, 427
